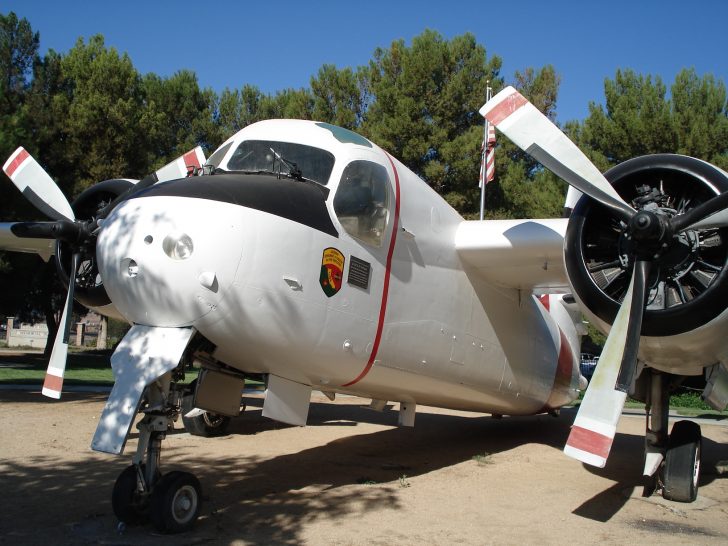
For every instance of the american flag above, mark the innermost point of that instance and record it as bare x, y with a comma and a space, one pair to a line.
487, 165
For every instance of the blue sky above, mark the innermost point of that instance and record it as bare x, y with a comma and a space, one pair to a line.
281, 44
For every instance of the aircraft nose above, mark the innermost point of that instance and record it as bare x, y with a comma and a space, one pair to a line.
168, 261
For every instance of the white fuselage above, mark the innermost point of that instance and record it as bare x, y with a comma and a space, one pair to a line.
420, 329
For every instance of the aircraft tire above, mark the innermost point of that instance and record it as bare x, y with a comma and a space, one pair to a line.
208, 424
175, 502
127, 504
681, 472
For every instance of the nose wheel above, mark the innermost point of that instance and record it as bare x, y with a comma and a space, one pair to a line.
171, 501
175, 502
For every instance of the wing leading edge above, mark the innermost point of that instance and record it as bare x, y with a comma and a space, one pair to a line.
45, 248
521, 254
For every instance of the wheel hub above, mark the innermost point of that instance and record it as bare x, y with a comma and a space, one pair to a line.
183, 506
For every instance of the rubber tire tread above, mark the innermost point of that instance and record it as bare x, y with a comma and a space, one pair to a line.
161, 501
122, 498
685, 439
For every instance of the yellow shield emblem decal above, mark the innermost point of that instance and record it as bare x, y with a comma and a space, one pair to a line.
332, 271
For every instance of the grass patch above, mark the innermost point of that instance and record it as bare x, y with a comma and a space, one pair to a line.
689, 399
483, 459
685, 402
82, 368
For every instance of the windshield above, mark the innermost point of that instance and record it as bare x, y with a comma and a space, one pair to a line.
258, 155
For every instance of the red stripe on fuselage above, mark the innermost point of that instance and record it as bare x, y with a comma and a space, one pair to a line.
507, 106
566, 363
22, 156
385, 289
589, 441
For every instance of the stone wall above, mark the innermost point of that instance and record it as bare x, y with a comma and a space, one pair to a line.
28, 335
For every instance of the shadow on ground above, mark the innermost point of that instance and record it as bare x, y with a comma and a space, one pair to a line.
265, 500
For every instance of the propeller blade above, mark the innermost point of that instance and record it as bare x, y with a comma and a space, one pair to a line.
45, 248
593, 430
37, 186
711, 214
53, 383
632, 341
535, 134
177, 168
63, 230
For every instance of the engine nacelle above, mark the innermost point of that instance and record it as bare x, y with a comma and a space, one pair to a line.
89, 286
685, 321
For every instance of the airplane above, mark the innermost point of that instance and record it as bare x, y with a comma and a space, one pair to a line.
305, 252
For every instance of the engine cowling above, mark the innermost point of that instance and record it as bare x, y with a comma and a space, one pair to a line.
89, 286
688, 286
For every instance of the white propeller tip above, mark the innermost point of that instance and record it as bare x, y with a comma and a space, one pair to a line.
590, 441
51, 393
585, 456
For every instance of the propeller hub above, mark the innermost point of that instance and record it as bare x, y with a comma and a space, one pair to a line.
650, 234
646, 226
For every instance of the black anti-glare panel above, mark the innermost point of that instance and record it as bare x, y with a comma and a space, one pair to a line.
297, 200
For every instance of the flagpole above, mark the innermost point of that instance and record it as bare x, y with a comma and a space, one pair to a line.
484, 155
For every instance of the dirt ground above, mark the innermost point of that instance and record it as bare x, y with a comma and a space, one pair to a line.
352, 477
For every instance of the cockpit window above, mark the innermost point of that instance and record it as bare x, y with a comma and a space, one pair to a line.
362, 202
256, 155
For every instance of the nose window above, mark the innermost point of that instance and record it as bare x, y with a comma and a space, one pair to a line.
361, 202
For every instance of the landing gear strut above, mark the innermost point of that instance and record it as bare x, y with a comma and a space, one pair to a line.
671, 461
171, 501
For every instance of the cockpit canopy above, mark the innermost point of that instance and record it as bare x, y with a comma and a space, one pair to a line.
274, 156
361, 200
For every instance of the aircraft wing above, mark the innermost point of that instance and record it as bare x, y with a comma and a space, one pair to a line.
522, 254
45, 248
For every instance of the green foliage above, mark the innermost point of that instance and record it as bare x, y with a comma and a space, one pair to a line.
176, 116
337, 97
239, 108
102, 101
18, 53
423, 104
700, 111
640, 119
522, 188
18, 50
688, 399
483, 459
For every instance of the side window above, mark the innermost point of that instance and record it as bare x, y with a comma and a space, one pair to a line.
362, 201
